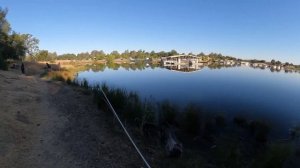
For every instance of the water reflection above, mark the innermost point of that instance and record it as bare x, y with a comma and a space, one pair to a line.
142, 65
185, 68
221, 88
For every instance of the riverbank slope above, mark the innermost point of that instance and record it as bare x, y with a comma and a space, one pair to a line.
49, 124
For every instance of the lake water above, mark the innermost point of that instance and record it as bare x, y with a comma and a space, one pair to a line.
235, 91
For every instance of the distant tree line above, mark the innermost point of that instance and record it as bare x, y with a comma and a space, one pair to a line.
274, 62
14, 45
44, 55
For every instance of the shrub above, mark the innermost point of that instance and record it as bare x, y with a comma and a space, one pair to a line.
98, 97
69, 81
149, 108
220, 121
168, 113
118, 97
191, 120
260, 130
274, 157
228, 154
85, 84
104, 88
240, 121
134, 108
58, 78
129, 105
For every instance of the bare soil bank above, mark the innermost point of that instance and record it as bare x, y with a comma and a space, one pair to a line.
49, 124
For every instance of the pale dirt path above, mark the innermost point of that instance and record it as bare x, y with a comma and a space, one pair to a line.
51, 125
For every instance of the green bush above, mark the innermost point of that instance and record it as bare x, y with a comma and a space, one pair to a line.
260, 130
168, 113
134, 108
191, 119
98, 97
274, 157
240, 121
58, 77
220, 121
128, 104
118, 97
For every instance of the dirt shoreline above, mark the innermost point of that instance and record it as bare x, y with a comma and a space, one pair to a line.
50, 124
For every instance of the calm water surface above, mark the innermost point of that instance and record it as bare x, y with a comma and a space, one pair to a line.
235, 91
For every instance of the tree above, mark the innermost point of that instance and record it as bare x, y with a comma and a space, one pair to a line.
162, 54
278, 63
173, 52
100, 55
31, 44
42, 56
133, 54
153, 54
17, 44
125, 54
4, 30
110, 59
52, 56
83, 55
273, 61
45, 55
140, 54
201, 54
4, 24
13, 45
67, 57
115, 54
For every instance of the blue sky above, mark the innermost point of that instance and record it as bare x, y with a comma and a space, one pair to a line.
261, 29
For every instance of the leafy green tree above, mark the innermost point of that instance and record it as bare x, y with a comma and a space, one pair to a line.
162, 54
4, 24
13, 45
110, 59
133, 54
125, 54
140, 54
31, 44
42, 55
4, 38
67, 57
201, 54
17, 44
278, 63
173, 52
83, 55
273, 61
153, 54
97, 55
52, 56
115, 54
